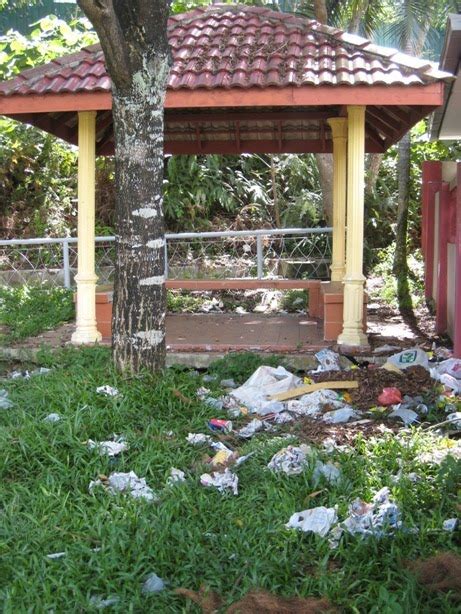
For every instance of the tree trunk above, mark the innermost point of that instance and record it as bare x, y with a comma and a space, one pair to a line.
140, 296
400, 265
134, 39
275, 196
372, 169
325, 166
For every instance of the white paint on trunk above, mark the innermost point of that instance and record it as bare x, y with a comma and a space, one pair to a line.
157, 280
153, 337
146, 212
156, 243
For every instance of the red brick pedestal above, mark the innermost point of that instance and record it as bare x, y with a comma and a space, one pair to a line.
104, 299
332, 299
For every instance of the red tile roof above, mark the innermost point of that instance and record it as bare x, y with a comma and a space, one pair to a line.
232, 46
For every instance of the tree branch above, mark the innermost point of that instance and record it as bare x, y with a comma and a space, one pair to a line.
104, 19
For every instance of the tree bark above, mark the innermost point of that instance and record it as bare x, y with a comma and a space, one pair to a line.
372, 171
400, 265
134, 39
325, 166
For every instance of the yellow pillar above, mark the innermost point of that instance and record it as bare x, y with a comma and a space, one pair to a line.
339, 133
86, 331
354, 279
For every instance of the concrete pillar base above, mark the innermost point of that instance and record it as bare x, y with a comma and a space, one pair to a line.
86, 330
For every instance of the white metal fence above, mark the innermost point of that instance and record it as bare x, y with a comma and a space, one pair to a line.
287, 253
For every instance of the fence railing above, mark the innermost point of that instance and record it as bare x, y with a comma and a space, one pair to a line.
287, 253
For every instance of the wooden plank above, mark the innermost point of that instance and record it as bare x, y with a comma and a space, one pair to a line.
298, 392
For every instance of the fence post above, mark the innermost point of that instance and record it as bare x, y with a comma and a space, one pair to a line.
65, 260
259, 256
166, 259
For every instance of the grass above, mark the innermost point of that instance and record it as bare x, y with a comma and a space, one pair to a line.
193, 536
29, 310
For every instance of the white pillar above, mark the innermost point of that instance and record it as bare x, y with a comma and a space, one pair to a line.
354, 279
339, 133
86, 331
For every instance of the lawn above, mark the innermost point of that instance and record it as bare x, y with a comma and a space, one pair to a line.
194, 536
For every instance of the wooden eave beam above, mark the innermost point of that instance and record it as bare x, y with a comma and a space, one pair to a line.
304, 96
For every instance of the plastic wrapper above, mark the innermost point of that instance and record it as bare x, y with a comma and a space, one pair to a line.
450, 382
410, 358
221, 481
264, 382
291, 460
317, 520
390, 396
126, 483
452, 367
455, 419
407, 415
343, 414
328, 471
450, 524
311, 404
52, 418
5, 402
251, 428
153, 584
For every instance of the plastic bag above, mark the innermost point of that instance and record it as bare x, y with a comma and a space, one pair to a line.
390, 396
264, 382
317, 520
410, 358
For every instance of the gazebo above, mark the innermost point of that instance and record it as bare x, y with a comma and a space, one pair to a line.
245, 79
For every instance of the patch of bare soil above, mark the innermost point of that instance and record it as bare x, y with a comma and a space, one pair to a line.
58, 337
316, 432
414, 381
257, 602
441, 572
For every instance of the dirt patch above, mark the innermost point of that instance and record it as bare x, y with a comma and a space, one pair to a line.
316, 432
257, 602
414, 381
439, 573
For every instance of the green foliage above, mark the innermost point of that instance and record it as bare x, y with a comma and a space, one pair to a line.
182, 302
390, 289
240, 366
294, 300
29, 310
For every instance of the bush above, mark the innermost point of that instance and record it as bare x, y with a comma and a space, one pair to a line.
29, 310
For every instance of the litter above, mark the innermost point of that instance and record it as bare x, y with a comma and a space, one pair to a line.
450, 382
283, 417
311, 404
291, 460
408, 416
223, 455
438, 456
390, 396
337, 416
213, 403
264, 382
329, 360
217, 424
328, 385
228, 383
98, 602
153, 584
56, 555
244, 458
5, 403
202, 392
126, 483
52, 418
209, 378
108, 391
222, 481
176, 475
28, 374
375, 518
328, 471
452, 367
109, 448
409, 358
251, 428
450, 524
316, 520
199, 439
385, 349
455, 419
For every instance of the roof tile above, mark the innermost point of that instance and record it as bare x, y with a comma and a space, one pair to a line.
225, 46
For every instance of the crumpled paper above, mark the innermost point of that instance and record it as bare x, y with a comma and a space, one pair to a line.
251, 428
153, 584
329, 360
176, 476
126, 483
109, 448
108, 391
375, 518
291, 460
221, 481
330, 472
199, 439
311, 404
5, 402
52, 418
316, 520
